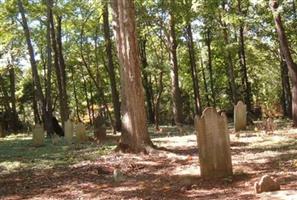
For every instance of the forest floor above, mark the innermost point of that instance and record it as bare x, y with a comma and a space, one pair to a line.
86, 171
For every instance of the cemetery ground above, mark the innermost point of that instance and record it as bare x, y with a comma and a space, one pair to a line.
94, 171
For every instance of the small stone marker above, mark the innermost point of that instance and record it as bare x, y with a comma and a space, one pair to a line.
38, 135
68, 131
99, 128
80, 131
240, 116
266, 184
213, 144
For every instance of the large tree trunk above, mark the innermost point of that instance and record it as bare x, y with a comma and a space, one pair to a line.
193, 66
37, 86
175, 90
135, 135
292, 66
111, 71
242, 62
147, 85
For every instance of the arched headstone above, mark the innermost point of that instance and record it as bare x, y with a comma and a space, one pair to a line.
68, 131
240, 116
213, 144
38, 135
80, 131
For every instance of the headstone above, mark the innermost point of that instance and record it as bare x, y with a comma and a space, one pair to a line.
68, 131
99, 129
213, 144
240, 116
80, 131
38, 135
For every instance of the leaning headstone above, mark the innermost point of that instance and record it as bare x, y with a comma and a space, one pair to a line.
80, 131
38, 135
240, 116
68, 131
99, 129
213, 144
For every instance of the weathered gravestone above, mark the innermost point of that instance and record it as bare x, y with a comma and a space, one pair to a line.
68, 131
99, 129
213, 144
80, 131
240, 116
38, 135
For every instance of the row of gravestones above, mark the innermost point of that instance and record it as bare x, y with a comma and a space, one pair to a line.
214, 141
69, 128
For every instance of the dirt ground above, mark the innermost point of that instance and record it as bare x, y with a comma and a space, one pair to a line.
171, 173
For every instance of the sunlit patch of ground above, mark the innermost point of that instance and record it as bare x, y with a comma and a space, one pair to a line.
172, 172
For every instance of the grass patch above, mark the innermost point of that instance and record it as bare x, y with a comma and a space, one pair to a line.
17, 153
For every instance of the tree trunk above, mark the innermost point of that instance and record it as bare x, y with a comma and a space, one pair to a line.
205, 84
16, 125
135, 135
286, 88
292, 66
230, 66
242, 62
75, 95
158, 101
208, 43
193, 66
147, 86
175, 90
37, 86
48, 85
111, 71
59, 68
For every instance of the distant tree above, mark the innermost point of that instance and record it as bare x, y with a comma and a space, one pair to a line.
292, 66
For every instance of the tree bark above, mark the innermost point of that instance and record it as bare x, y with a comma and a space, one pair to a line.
158, 101
175, 90
292, 66
48, 85
147, 86
59, 67
135, 135
205, 84
208, 43
242, 62
193, 67
37, 86
286, 88
111, 70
